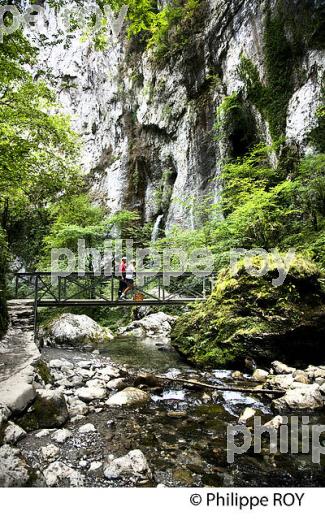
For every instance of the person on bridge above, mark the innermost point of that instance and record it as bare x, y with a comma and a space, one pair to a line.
129, 278
122, 275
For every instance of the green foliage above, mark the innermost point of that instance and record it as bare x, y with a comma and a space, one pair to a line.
37, 148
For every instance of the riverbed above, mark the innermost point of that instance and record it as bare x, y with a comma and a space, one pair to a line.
182, 432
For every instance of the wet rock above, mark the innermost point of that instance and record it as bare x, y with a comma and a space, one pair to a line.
50, 453
14, 471
147, 379
302, 397
275, 423
60, 436
71, 330
59, 474
260, 375
237, 375
158, 324
281, 368
91, 393
13, 434
87, 428
48, 411
128, 396
247, 414
133, 464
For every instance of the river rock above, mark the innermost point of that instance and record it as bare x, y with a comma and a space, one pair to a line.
300, 376
116, 384
14, 471
90, 393
95, 466
128, 396
59, 474
260, 375
87, 428
148, 380
237, 375
158, 324
50, 453
76, 407
302, 397
280, 382
246, 415
275, 423
49, 410
43, 433
60, 436
281, 368
109, 371
13, 433
72, 330
4, 413
133, 464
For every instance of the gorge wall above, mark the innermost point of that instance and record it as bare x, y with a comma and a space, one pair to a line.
148, 124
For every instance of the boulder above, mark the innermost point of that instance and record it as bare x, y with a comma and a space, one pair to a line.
237, 375
127, 397
260, 375
279, 382
299, 376
133, 464
72, 330
147, 379
90, 393
116, 384
49, 410
281, 368
158, 324
4, 413
59, 474
14, 471
13, 433
301, 397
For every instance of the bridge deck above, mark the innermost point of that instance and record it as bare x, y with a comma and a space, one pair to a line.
116, 303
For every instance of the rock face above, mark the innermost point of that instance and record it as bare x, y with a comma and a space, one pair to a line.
135, 114
133, 464
158, 324
71, 330
127, 397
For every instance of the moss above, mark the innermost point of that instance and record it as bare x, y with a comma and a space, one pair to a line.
243, 309
44, 372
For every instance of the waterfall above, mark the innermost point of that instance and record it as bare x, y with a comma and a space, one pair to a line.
156, 228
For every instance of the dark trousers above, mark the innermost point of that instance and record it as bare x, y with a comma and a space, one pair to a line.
122, 286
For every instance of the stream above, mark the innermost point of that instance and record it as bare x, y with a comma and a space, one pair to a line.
181, 431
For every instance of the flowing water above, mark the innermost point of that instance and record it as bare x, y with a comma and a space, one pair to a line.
181, 431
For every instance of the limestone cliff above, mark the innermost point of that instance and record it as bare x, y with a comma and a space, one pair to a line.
148, 125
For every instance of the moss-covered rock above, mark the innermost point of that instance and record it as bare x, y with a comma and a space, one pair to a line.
49, 410
248, 316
